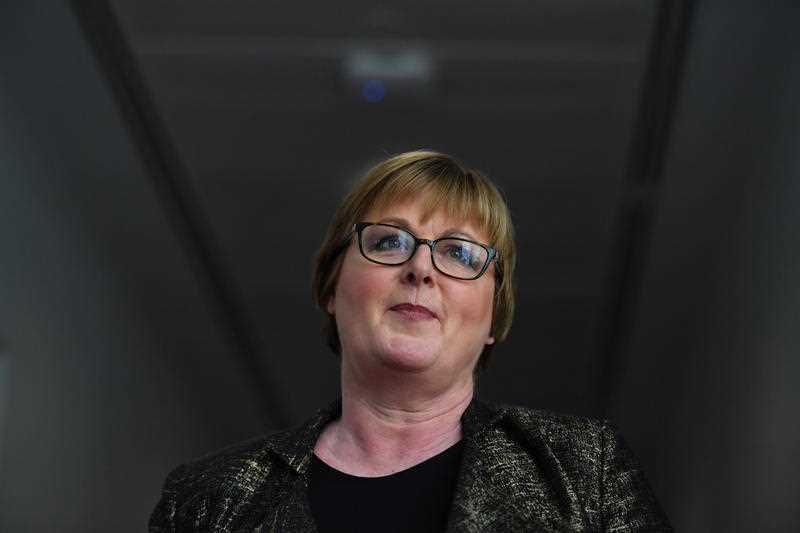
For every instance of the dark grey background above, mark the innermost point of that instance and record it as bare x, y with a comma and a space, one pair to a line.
156, 245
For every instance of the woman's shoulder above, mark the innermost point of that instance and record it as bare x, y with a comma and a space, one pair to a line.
249, 459
238, 481
553, 425
589, 456
556, 424
253, 459
565, 435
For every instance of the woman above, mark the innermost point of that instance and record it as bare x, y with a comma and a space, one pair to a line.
416, 277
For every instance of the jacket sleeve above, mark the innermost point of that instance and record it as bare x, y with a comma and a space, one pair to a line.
627, 501
163, 517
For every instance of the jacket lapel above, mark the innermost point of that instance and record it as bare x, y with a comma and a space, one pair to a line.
509, 480
288, 508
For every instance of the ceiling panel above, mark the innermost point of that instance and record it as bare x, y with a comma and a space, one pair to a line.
567, 21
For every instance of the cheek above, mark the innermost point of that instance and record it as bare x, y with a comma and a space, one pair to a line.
358, 287
476, 306
483, 314
485, 308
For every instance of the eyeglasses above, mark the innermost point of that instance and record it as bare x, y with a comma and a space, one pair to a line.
390, 245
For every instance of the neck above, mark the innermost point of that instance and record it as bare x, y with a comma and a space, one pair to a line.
385, 429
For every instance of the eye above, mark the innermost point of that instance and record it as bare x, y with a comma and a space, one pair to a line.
461, 254
389, 242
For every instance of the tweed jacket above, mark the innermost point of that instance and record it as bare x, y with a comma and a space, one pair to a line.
521, 470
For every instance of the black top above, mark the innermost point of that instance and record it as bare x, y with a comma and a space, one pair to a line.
416, 499
521, 470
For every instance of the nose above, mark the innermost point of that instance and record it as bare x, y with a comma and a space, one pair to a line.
419, 269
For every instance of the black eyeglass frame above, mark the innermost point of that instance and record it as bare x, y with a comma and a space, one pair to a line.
492, 253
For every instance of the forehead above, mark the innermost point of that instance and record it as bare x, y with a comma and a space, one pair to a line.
421, 216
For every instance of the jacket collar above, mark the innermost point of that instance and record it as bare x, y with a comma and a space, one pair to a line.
505, 482
296, 446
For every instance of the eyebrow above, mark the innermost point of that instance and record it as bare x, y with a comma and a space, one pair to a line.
450, 232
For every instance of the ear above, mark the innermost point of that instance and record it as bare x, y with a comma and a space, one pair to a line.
331, 305
490, 340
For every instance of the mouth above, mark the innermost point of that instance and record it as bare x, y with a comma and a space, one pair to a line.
414, 312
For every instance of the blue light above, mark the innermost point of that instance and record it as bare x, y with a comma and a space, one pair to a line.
373, 91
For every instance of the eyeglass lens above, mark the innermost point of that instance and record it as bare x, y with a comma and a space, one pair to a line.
392, 246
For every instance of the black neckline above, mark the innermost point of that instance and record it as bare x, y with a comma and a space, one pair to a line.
441, 456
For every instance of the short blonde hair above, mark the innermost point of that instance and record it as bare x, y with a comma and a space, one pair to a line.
463, 193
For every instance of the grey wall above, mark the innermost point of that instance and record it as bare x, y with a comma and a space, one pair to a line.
97, 401
709, 396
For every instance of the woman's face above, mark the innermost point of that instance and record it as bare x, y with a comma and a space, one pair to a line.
379, 313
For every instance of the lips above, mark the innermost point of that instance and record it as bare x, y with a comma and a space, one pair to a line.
414, 312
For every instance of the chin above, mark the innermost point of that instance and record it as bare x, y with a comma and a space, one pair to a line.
410, 353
